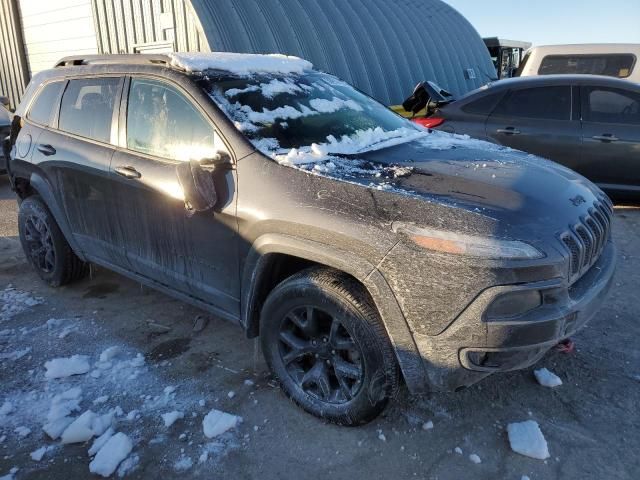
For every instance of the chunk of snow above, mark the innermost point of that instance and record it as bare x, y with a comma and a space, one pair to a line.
132, 415
329, 106
114, 451
10, 475
249, 383
203, 457
169, 390
128, 465
239, 63
55, 428
183, 463
171, 417
216, 423
15, 355
201, 402
381, 436
80, 430
526, 439
101, 423
475, 458
99, 442
524, 477
22, 431
547, 378
101, 400
458, 450
427, 425
37, 455
65, 367
231, 394
6, 408
65, 403
109, 353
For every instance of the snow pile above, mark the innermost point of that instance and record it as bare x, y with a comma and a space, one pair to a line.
547, 378
216, 423
240, 63
114, 451
14, 302
526, 439
65, 367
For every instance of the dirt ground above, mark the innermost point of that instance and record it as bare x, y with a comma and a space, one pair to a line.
591, 422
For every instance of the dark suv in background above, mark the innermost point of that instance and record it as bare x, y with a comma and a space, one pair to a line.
362, 249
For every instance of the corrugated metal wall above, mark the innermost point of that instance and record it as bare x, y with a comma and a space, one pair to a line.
385, 47
134, 26
14, 74
54, 29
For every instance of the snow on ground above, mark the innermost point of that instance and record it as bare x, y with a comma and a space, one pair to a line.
527, 439
104, 397
547, 378
239, 63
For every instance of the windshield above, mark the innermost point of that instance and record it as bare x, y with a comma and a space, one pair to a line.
285, 113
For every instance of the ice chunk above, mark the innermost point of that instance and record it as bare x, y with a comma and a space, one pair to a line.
55, 428
231, 394
6, 408
64, 404
171, 417
22, 431
427, 425
216, 423
114, 451
458, 450
128, 465
109, 353
547, 378
37, 455
10, 475
183, 463
80, 430
102, 422
239, 63
475, 458
101, 399
527, 439
65, 367
99, 442
169, 390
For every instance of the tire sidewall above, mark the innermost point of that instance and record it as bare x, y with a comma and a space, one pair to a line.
33, 206
373, 394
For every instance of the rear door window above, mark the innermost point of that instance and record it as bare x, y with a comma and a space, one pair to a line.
484, 105
545, 103
42, 108
87, 107
163, 123
611, 65
611, 105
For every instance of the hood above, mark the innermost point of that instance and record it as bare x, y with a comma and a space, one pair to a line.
516, 191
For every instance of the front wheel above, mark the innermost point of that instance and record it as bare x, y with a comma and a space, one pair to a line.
325, 342
44, 245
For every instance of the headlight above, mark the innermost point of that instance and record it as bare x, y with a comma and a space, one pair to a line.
469, 245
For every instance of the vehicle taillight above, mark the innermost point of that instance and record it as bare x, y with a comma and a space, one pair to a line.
429, 122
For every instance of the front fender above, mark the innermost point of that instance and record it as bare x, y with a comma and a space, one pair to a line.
257, 265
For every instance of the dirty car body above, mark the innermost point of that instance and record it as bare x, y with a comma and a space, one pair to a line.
476, 258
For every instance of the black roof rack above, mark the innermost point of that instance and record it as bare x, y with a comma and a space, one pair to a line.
132, 59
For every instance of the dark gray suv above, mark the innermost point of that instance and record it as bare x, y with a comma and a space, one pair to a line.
362, 249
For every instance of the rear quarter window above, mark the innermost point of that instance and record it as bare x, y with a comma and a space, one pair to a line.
42, 107
610, 65
483, 105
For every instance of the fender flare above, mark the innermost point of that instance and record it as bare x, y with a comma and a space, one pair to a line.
40, 184
256, 266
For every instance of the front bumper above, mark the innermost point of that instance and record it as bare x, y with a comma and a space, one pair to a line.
472, 348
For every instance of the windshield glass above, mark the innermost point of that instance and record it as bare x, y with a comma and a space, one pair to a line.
308, 113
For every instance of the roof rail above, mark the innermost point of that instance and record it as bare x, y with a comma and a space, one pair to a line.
133, 59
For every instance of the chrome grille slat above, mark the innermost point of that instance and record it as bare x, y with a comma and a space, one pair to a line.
586, 239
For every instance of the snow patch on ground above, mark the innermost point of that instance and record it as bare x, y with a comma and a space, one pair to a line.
171, 417
239, 63
65, 367
14, 302
547, 378
527, 439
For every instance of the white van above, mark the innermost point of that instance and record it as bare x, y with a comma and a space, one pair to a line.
610, 59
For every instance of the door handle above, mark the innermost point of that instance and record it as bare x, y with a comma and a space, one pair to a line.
128, 172
509, 131
46, 150
606, 137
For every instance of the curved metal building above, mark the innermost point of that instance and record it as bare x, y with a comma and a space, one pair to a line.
384, 47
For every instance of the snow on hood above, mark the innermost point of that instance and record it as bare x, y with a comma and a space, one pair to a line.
243, 64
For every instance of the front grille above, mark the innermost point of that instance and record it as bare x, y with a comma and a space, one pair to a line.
586, 239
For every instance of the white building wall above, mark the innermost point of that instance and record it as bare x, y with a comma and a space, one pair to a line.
53, 29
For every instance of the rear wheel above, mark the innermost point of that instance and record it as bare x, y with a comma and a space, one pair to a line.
326, 344
45, 246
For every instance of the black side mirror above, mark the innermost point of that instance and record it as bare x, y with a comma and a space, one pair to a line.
4, 100
197, 179
418, 99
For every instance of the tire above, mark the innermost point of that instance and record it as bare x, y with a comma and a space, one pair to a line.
45, 247
340, 366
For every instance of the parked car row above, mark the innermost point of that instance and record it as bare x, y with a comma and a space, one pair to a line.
5, 126
588, 123
364, 250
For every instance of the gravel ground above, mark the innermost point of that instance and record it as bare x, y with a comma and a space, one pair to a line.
591, 422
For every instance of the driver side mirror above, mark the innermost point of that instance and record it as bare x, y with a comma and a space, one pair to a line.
4, 100
197, 179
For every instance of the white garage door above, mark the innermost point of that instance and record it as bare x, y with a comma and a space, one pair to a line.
56, 28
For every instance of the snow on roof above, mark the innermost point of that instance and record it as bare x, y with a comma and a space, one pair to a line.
240, 63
